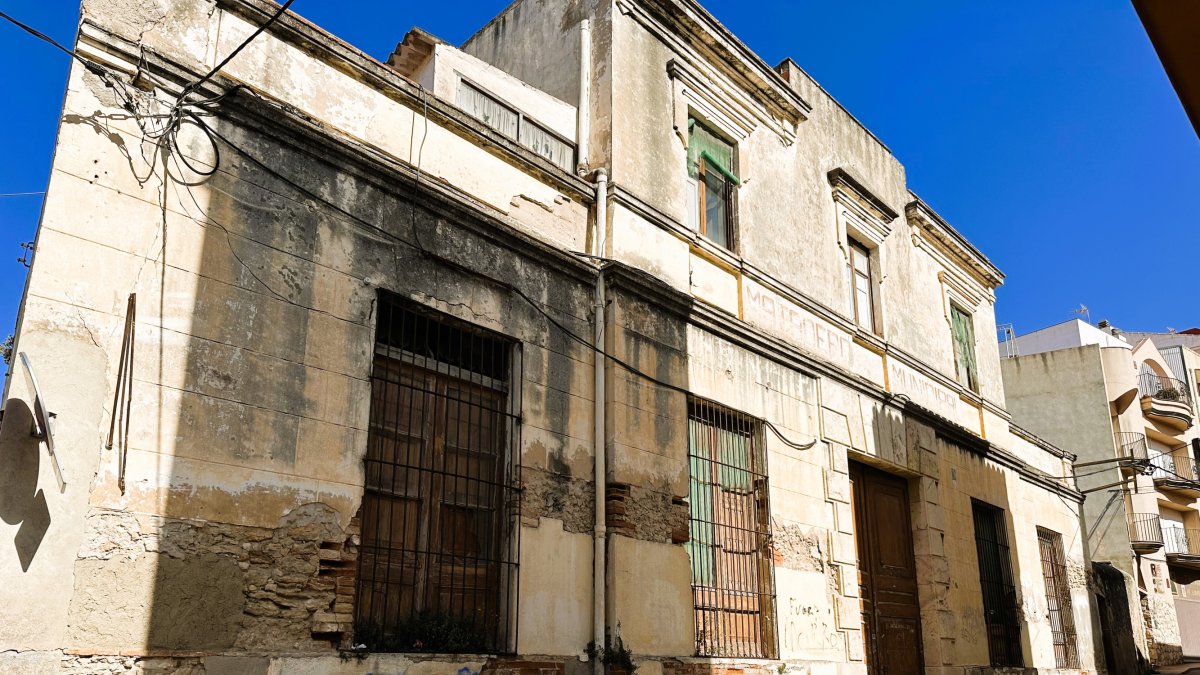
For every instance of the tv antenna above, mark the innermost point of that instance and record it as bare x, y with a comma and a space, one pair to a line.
1083, 313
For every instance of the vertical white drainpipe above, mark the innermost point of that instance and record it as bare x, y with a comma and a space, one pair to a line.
599, 580
583, 112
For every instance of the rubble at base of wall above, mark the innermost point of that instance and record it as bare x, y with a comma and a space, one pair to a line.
214, 587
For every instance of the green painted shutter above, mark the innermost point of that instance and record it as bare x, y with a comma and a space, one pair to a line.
964, 346
700, 545
703, 145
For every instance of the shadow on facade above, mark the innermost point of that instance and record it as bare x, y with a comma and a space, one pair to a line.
972, 608
1121, 651
21, 502
257, 550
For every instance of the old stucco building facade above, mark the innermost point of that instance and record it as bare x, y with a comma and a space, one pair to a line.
322, 350
1126, 403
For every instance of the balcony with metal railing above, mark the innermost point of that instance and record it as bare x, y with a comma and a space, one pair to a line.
1182, 547
1145, 532
1132, 450
1176, 473
1166, 400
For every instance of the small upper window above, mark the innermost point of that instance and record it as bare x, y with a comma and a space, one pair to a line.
515, 125
711, 181
963, 329
862, 296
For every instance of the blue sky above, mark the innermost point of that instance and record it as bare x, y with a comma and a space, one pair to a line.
1046, 132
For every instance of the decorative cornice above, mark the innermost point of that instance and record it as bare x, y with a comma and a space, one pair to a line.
934, 229
845, 184
691, 19
715, 55
705, 96
388, 174
624, 197
1042, 443
338, 54
1032, 474
716, 322
290, 127
964, 438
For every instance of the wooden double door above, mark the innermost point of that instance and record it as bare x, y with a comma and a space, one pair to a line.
887, 574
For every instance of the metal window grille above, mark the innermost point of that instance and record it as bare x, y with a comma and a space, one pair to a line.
996, 582
1058, 599
438, 560
733, 585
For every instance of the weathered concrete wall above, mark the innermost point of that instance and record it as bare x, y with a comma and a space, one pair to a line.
257, 293
536, 41
1188, 612
233, 531
785, 204
1070, 396
1060, 396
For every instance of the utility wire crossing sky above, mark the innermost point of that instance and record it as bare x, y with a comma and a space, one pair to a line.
1003, 115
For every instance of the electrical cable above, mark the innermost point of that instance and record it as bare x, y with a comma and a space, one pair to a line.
518, 292
21, 194
167, 136
178, 116
40, 35
95, 68
198, 83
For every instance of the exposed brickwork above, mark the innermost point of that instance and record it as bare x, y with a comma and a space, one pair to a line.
294, 593
640, 513
337, 571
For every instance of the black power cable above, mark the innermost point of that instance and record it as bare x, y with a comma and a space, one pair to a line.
104, 74
42, 36
181, 114
200, 82
517, 291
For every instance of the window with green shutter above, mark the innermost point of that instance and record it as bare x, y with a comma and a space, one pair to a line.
711, 181
730, 528
963, 329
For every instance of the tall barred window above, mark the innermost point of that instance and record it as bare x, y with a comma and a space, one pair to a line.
733, 585
1059, 607
438, 558
1000, 609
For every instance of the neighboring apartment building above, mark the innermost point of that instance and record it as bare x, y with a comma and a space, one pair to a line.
1126, 404
330, 399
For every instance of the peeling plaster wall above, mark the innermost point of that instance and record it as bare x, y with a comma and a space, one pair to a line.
781, 176
255, 339
234, 532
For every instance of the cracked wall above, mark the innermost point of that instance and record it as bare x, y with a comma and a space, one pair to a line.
253, 359
225, 523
